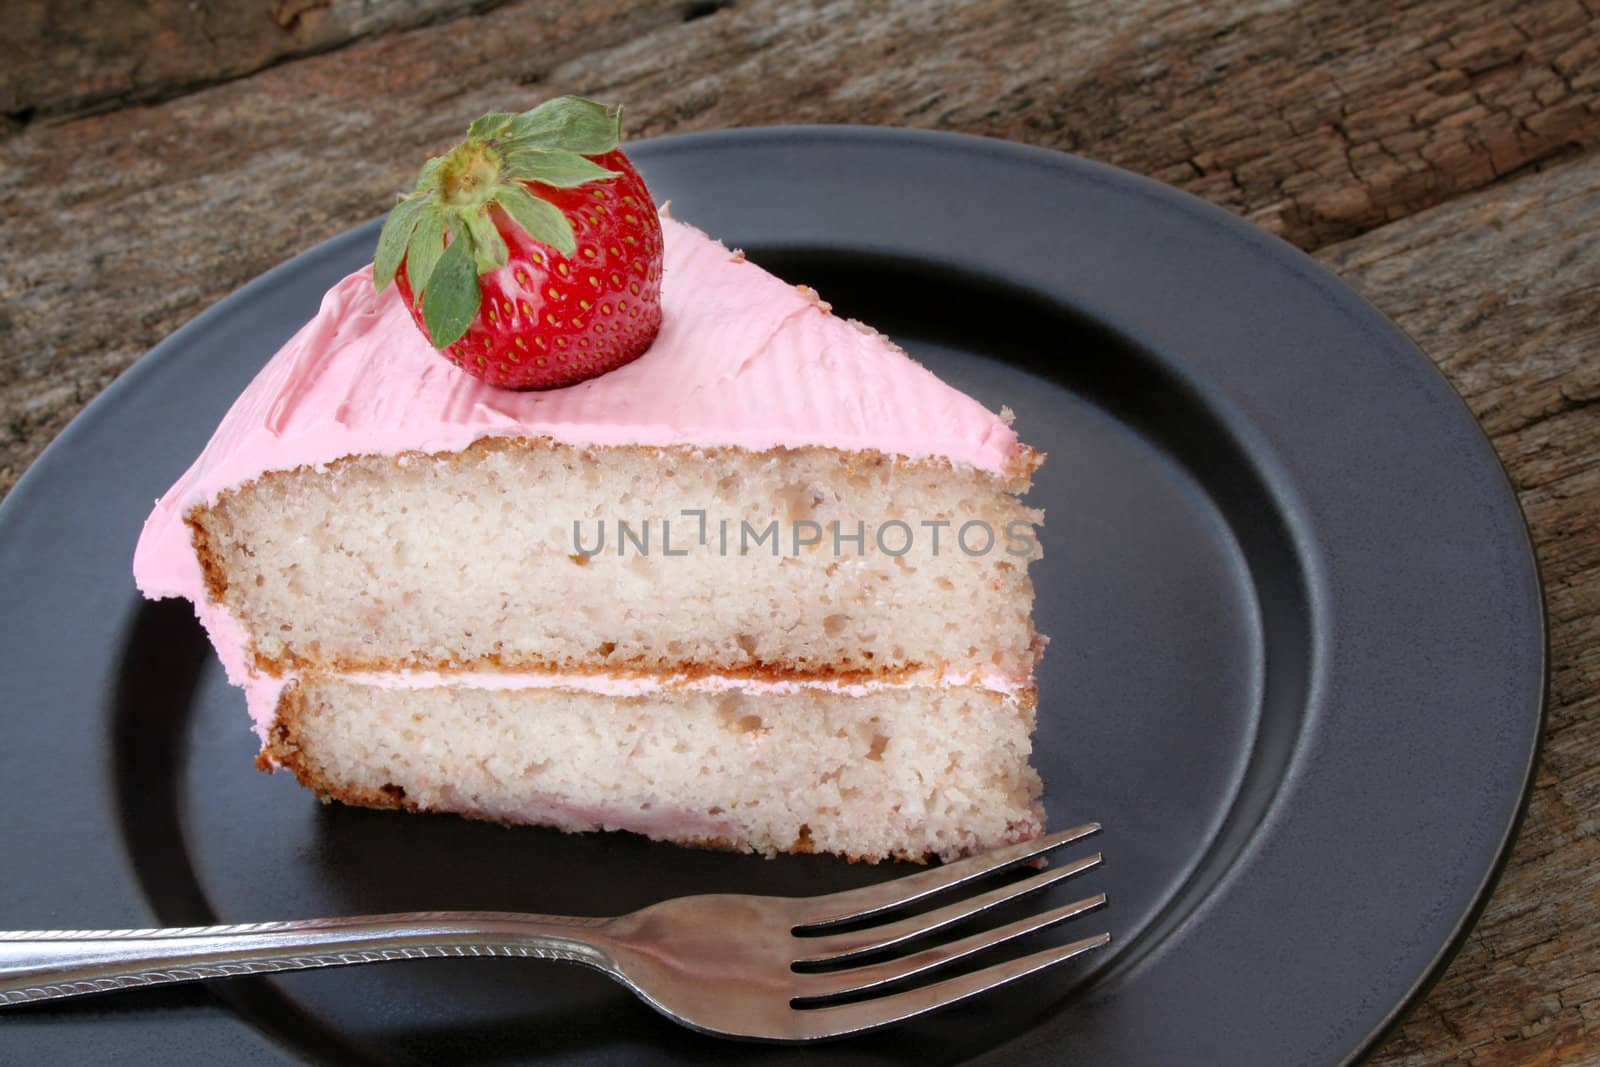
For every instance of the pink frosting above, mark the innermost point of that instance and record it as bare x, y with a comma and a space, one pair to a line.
262, 690
630, 685
743, 359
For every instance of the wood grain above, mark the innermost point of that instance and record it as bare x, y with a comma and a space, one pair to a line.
66, 59
1440, 155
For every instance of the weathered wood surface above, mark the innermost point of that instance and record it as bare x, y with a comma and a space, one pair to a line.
65, 59
1442, 156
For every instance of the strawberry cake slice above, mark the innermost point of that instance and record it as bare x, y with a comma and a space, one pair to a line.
759, 581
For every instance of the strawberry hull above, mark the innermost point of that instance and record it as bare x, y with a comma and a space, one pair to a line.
530, 254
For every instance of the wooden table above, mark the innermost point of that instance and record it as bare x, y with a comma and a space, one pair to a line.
1440, 156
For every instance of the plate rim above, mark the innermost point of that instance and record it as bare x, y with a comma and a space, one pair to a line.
1349, 302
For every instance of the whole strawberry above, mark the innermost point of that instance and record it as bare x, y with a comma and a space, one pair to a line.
530, 254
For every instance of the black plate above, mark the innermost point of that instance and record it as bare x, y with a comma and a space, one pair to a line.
1298, 667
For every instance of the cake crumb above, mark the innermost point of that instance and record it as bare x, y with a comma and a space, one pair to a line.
814, 297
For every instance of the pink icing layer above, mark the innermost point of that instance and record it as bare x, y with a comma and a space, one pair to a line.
262, 691
743, 359
630, 685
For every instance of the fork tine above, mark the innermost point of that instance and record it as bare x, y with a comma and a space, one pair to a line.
832, 948
863, 1015
852, 904
861, 979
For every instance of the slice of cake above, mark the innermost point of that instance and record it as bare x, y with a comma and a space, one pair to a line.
763, 586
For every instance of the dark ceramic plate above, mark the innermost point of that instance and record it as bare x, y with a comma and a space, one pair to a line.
1298, 664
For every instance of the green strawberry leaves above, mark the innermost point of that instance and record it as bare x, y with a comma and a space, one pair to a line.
427, 178
392, 241
542, 220
455, 194
489, 250
424, 249
560, 169
452, 298
568, 124
489, 125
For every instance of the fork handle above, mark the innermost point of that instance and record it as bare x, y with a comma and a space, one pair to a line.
48, 964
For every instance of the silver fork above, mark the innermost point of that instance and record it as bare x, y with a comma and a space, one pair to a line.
736, 965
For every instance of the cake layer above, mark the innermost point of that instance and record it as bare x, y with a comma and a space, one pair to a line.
895, 771
764, 588
743, 359
525, 554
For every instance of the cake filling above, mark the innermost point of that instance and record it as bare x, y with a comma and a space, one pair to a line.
546, 607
